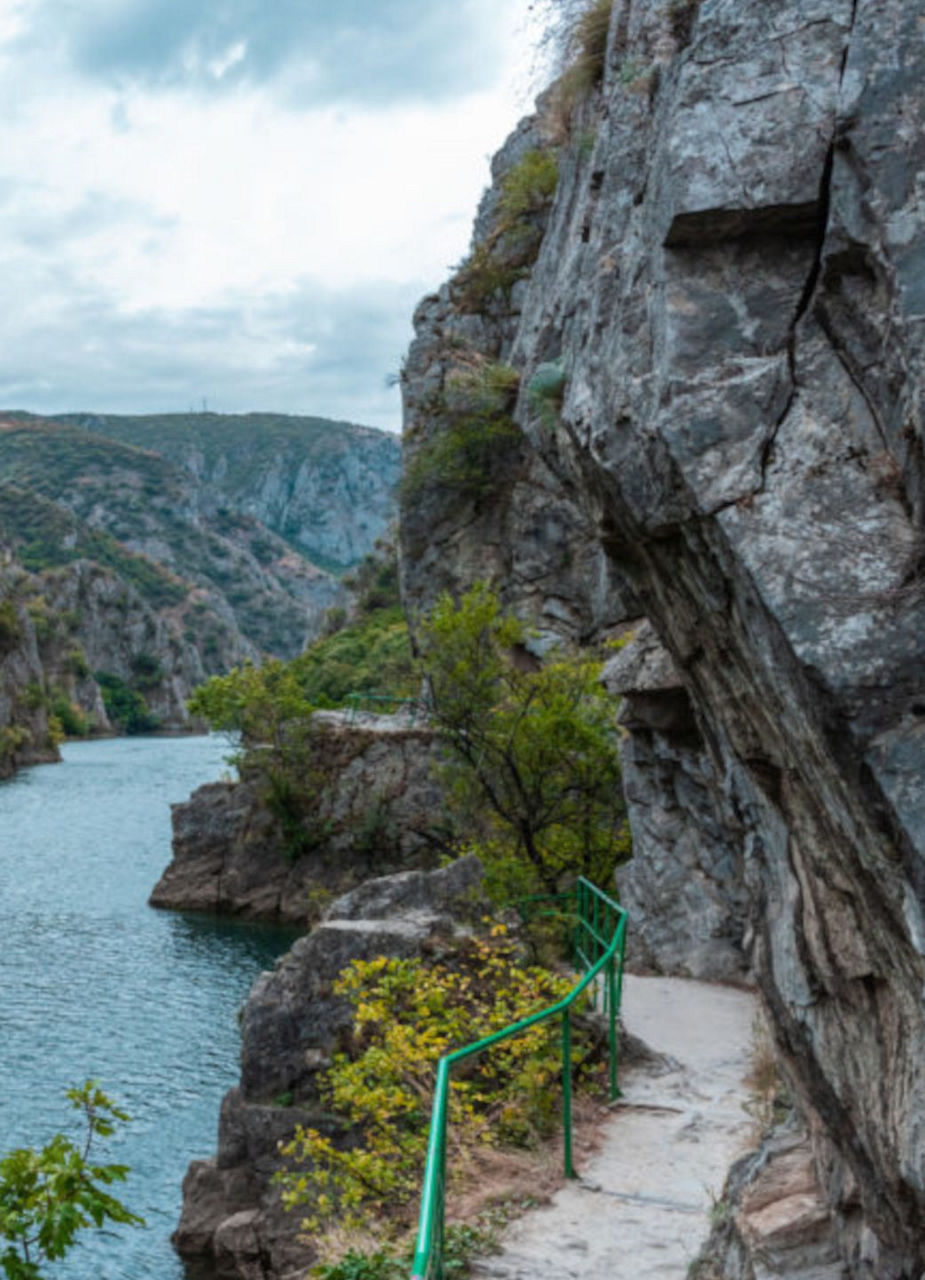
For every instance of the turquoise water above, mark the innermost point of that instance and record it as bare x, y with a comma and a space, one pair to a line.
96, 983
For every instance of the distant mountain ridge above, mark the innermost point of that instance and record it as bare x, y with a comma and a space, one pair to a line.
325, 486
220, 537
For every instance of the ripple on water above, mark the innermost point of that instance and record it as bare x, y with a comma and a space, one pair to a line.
96, 983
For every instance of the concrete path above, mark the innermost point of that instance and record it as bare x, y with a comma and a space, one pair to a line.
641, 1207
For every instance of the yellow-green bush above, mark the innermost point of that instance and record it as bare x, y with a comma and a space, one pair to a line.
408, 1014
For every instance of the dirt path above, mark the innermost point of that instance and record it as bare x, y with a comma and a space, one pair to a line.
641, 1208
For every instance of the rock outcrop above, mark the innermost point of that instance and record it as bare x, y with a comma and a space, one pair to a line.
95, 622
730, 282
290, 1026
773, 1218
684, 886
514, 526
368, 803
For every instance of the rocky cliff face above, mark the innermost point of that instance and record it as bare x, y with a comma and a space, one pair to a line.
730, 281
515, 525
367, 796
290, 1027
325, 487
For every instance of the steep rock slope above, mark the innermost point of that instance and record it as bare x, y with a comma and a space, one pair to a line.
291, 1025
730, 281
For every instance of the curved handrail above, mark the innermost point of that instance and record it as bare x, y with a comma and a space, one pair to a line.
597, 915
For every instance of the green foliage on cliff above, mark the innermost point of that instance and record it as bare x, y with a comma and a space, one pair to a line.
370, 655
409, 1013
583, 39
48, 537
509, 250
69, 493
48, 1196
10, 627
477, 441
529, 186
125, 706
535, 770
242, 446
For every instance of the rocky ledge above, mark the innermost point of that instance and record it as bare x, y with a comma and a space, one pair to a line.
368, 803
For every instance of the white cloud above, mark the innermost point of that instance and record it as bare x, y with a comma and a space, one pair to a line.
159, 203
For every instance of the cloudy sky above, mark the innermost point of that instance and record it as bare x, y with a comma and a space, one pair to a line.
238, 202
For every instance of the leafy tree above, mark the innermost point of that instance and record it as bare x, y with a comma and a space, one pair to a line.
534, 766
255, 702
48, 1196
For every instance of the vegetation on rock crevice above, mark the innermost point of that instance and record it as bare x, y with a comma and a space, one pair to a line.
506, 254
477, 441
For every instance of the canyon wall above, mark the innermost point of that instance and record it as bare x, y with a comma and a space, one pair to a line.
728, 280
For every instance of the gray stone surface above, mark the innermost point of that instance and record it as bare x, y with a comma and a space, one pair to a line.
731, 274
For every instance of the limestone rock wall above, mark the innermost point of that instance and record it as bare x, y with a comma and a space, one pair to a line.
521, 532
104, 619
684, 886
731, 278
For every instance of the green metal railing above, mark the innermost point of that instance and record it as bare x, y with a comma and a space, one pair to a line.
375, 701
599, 939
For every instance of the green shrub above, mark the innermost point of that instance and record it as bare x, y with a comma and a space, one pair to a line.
49, 1195
529, 186
374, 582
485, 275
533, 772
480, 440
71, 719
77, 663
364, 1266
10, 627
147, 671
506, 255
125, 707
12, 738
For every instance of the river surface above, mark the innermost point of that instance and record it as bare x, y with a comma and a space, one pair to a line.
95, 983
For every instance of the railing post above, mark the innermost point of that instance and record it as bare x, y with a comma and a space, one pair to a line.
567, 1092
614, 1050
